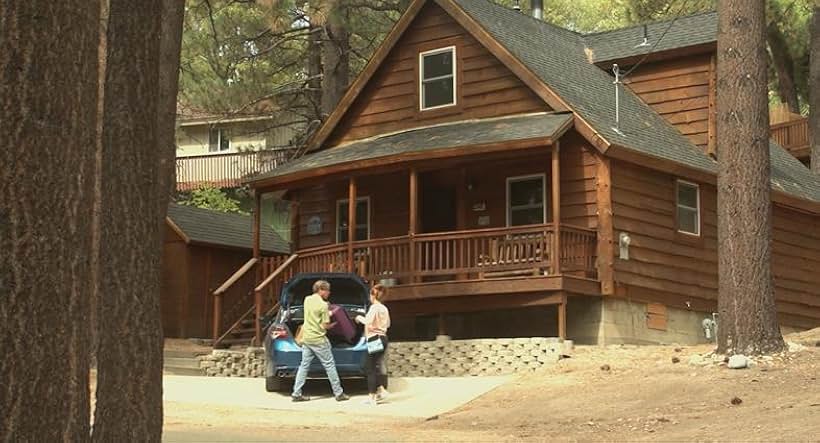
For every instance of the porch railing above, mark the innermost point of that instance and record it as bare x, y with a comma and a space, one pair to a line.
792, 135
441, 256
475, 253
226, 170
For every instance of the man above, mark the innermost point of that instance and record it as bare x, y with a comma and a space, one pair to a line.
315, 342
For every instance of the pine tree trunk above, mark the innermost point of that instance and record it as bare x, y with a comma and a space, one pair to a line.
48, 100
748, 316
814, 90
784, 66
136, 181
336, 60
314, 68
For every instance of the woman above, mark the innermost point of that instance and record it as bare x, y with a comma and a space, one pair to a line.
376, 323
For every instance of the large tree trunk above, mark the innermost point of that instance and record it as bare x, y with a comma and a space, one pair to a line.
783, 62
314, 68
48, 101
136, 183
748, 316
336, 60
814, 90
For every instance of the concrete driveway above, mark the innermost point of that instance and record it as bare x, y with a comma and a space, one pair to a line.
410, 397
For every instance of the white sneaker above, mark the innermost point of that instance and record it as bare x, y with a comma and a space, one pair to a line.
383, 394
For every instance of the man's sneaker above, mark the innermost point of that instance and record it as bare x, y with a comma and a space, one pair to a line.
342, 397
300, 398
382, 395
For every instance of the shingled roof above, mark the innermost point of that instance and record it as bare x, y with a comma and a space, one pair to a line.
560, 59
557, 57
590, 93
427, 139
685, 32
207, 227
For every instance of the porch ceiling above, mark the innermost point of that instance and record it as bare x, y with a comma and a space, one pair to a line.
445, 140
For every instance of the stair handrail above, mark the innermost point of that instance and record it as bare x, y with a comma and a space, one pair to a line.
276, 273
236, 276
257, 303
221, 290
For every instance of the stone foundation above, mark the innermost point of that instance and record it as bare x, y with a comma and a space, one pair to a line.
455, 358
224, 363
440, 358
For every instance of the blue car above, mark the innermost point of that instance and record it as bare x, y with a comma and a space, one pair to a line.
283, 354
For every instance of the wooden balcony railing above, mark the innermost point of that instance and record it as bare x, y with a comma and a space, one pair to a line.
226, 170
479, 253
794, 136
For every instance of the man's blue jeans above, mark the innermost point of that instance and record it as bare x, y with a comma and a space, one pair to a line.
323, 353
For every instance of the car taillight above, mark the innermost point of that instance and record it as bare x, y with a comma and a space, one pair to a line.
279, 332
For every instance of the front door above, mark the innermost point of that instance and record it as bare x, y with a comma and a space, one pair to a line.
438, 208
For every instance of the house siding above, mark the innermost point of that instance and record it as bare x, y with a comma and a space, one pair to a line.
682, 272
389, 102
678, 89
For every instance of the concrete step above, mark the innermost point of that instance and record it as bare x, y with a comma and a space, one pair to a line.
184, 371
181, 363
182, 354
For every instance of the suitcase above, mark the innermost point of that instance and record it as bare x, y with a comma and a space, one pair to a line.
344, 327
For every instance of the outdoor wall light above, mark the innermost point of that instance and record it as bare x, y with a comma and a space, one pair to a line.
623, 243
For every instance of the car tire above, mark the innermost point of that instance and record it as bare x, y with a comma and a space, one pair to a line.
274, 383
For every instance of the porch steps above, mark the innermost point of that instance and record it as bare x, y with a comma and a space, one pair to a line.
243, 335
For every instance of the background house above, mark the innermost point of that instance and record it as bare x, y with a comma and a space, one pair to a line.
221, 150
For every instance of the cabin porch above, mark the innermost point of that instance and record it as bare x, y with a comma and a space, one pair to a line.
512, 225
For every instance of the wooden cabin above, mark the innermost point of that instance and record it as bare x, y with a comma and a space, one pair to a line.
488, 168
202, 248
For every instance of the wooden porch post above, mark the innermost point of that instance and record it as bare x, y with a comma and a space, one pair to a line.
257, 295
562, 317
294, 226
605, 249
461, 212
556, 209
257, 222
411, 224
351, 223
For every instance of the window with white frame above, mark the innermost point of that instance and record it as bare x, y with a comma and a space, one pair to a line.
437, 78
362, 219
218, 140
688, 207
526, 200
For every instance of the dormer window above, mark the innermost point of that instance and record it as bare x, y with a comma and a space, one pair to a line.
437, 78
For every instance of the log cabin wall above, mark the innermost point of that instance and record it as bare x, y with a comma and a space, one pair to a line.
679, 90
485, 87
679, 271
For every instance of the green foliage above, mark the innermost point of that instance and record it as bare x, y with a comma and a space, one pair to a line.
210, 197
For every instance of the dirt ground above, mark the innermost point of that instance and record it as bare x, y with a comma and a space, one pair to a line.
617, 393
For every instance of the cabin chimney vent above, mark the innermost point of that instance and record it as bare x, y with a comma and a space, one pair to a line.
645, 41
538, 9
517, 5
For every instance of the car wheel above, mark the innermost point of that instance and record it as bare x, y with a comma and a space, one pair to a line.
273, 383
